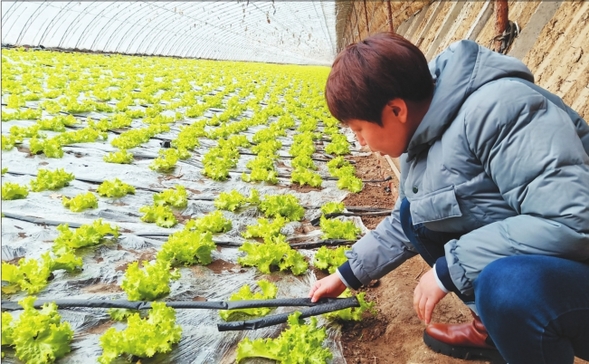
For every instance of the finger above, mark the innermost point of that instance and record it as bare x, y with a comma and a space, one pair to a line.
416, 298
419, 302
416, 303
318, 292
313, 289
422, 304
429, 308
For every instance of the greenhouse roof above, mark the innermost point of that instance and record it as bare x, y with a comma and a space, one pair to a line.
299, 32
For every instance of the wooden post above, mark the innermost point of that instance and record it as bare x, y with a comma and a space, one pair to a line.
366, 15
391, 28
501, 19
357, 23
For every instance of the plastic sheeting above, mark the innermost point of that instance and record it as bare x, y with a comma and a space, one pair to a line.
299, 32
28, 229
104, 266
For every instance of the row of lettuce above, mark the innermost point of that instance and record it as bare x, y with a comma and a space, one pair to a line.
161, 99
71, 98
40, 336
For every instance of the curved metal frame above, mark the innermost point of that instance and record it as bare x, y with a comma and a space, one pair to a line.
124, 36
91, 24
39, 33
189, 28
155, 27
73, 25
105, 25
7, 17
141, 30
29, 21
115, 30
224, 30
55, 21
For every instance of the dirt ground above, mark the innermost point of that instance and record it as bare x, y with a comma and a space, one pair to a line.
394, 334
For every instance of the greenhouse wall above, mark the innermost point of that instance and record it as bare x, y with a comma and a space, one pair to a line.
552, 40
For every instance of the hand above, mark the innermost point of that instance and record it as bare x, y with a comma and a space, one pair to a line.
426, 296
330, 286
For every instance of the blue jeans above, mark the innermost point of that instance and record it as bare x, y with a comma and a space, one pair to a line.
535, 308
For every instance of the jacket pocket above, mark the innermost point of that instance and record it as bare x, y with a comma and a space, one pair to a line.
435, 206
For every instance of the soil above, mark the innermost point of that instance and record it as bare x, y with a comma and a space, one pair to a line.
394, 334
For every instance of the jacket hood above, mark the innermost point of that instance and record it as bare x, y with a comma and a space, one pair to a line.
457, 72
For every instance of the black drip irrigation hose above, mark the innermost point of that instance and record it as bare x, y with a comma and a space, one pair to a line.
367, 209
324, 305
317, 220
211, 305
328, 242
272, 320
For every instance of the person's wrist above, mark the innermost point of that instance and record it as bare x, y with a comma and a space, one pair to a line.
348, 277
438, 281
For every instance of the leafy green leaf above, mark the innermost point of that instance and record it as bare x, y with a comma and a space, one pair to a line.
142, 337
338, 229
282, 205
213, 222
14, 191
304, 176
51, 180
275, 251
339, 145
269, 291
29, 274
353, 313
120, 157
81, 202
162, 215
115, 188
333, 207
299, 344
265, 228
330, 259
121, 314
85, 235
150, 283
230, 201
38, 336
65, 258
166, 161
188, 247
176, 198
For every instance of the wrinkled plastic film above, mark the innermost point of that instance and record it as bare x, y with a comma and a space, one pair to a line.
28, 230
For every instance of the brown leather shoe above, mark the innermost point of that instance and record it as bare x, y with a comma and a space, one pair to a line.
464, 341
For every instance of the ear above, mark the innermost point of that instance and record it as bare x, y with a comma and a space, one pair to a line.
398, 108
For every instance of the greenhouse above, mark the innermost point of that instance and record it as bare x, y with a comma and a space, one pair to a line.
174, 183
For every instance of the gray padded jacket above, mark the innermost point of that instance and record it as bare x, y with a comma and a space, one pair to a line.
496, 158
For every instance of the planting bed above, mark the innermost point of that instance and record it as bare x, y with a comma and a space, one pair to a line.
170, 97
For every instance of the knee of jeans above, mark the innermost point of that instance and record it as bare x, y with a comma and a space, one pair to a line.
501, 287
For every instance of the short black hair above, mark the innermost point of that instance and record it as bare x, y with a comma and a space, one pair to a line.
368, 74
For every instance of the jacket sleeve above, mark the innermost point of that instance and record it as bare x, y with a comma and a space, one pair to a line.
377, 253
531, 149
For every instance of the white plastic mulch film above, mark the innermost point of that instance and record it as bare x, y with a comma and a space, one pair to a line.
293, 32
39, 86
